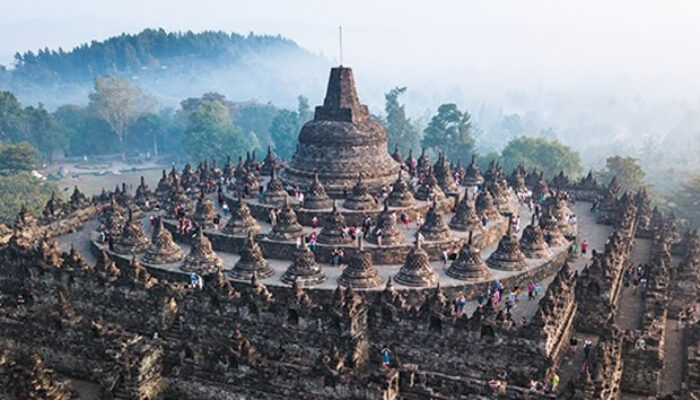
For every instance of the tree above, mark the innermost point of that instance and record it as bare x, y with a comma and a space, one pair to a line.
401, 131
117, 103
211, 135
285, 128
549, 156
87, 134
45, 132
256, 118
11, 118
147, 130
15, 158
630, 176
303, 109
22, 188
283, 131
450, 131
686, 202
485, 160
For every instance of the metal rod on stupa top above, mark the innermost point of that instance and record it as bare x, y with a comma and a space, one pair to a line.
340, 43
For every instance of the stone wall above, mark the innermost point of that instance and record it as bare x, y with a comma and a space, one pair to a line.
644, 351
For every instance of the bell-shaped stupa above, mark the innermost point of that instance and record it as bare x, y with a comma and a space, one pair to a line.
469, 265
417, 271
360, 272
251, 262
341, 142
304, 270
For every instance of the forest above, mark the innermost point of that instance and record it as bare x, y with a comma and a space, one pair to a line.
167, 64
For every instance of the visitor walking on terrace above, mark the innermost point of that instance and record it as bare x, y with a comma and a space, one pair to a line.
444, 257
587, 348
584, 247
555, 382
386, 356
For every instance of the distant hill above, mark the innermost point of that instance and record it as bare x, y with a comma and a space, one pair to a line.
171, 66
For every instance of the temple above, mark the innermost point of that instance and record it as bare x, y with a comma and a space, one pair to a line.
392, 278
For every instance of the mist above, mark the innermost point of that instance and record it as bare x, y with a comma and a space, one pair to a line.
603, 78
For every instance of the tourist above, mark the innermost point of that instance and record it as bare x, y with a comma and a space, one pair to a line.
366, 225
312, 241
679, 320
584, 247
378, 236
538, 289
314, 222
336, 256
405, 220
587, 348
419, 221
272, 217
444, 257
299, 239
461, 303
573, 342
217, 220
512, 297
301, 197
516, 290
193, 280
225, 209
503, 375
496, 299
555, 382
419, 237
386, 356
509, 306
353, 232
261, 191
484, 220
531, 290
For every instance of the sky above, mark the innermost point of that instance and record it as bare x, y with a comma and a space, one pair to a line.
555, 57
544, 41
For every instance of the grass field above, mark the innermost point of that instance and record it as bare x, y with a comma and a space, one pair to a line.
91, 184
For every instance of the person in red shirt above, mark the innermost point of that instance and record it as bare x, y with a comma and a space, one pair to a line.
584, 247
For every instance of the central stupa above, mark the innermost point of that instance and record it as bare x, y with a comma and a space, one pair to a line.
341, 142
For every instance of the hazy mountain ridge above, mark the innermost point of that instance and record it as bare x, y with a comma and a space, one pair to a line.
171, 66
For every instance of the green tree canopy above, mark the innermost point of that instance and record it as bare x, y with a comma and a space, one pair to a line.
400, 130
685, 203
450, 131
15, 158
549, 156
210, 134
22, 188
45, 132
630, 175
285, 128
11, 118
